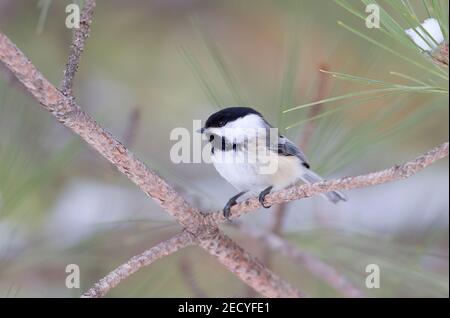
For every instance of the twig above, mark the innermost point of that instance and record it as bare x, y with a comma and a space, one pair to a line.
79, 38
165, 248
322, 270
395, 173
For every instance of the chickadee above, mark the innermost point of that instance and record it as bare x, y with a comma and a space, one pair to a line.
241, 152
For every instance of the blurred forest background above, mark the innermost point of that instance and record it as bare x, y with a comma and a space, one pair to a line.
151, 66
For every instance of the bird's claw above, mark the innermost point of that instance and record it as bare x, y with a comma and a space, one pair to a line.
227, 208
227, 211
229, 205
262, 196
261, 200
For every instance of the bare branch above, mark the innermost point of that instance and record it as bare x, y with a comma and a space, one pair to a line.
76, 49
247, 268
398, 172
322, 270
165, 248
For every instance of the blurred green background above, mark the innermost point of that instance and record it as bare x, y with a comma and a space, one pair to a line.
152, 66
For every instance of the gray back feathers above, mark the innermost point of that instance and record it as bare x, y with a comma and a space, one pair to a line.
288, 148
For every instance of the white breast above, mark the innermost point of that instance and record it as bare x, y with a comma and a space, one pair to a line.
247, 173
231, 165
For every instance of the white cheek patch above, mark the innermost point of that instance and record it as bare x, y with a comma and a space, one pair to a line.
215, 131
242, 136
247, 127
249, 121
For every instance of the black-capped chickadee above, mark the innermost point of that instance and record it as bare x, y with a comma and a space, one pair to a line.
250, 154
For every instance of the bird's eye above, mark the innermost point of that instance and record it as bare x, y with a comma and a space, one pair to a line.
221, 123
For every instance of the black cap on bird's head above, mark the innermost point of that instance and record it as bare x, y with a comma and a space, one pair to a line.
226, 115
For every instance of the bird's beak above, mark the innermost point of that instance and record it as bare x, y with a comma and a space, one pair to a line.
201, 130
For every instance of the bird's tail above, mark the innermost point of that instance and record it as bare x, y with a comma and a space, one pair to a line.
310, 176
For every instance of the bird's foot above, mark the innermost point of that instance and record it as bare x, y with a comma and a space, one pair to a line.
227, 209
262, 196
230, 204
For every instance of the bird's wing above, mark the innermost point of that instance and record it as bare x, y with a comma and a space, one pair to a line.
288, 148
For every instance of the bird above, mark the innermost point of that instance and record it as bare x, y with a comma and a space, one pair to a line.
249, 153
